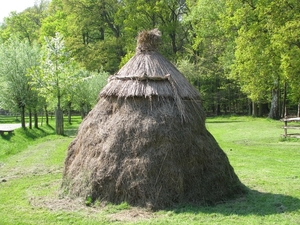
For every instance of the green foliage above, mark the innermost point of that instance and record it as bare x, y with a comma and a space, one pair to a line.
55, 77
210, 57
84, 93
286, 42
54, 22
93, 35
217, 93
165, 15
266, 47
16, 58
25, 25
233, 46
88, 201
126, 58
101, 55
254, 68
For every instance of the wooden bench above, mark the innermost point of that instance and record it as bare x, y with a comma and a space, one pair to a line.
9, 131
294, 126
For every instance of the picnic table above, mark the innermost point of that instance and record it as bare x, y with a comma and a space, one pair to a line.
8, 128
9, 131
293, 126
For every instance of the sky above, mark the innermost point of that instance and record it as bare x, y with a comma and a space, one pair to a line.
6, 6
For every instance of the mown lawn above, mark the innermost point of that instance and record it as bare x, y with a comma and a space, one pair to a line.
31, 171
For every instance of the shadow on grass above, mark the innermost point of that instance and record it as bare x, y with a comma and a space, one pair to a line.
7, 136
71, 132
36, 132
225, 121
253, 203
9, 119
34, 135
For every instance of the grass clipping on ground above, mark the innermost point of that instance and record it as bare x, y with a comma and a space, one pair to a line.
148, 147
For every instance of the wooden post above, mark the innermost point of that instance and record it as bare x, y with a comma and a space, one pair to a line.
285, 122
285, 128
285, 112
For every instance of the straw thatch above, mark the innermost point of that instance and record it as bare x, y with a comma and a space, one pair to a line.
145, 141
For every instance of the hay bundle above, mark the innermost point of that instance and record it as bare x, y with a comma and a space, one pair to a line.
145, 141
148, 41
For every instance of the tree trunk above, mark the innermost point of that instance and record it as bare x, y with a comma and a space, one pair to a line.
47, 116
298, 111
69, 117
254, 109
82, 112
69, 113
173, 41
260, 110
59, 119
263, 109
23, 117
274, 111
283, 112
42, 120
250, 107
225, 108
30, 118
218, 112
36, 119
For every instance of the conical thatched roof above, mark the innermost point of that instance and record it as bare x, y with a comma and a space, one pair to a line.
148, 74
145, 141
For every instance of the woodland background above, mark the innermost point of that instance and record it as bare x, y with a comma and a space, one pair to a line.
243, 56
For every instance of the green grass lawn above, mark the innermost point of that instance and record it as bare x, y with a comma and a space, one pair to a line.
31, 167
9, 119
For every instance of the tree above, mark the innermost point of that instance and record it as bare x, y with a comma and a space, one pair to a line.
26, 24
56, 21
256, 65
100, 33
267, 49
55, 75
16, 58
166, 15
83, 94
209, 51
286, 44
92, 35
87, 90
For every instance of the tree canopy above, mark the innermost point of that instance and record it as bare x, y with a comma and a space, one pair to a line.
234, 52
16, 57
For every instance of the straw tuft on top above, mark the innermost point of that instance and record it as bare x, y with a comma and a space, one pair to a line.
148, 40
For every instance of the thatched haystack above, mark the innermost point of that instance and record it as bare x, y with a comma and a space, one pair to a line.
145, 141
